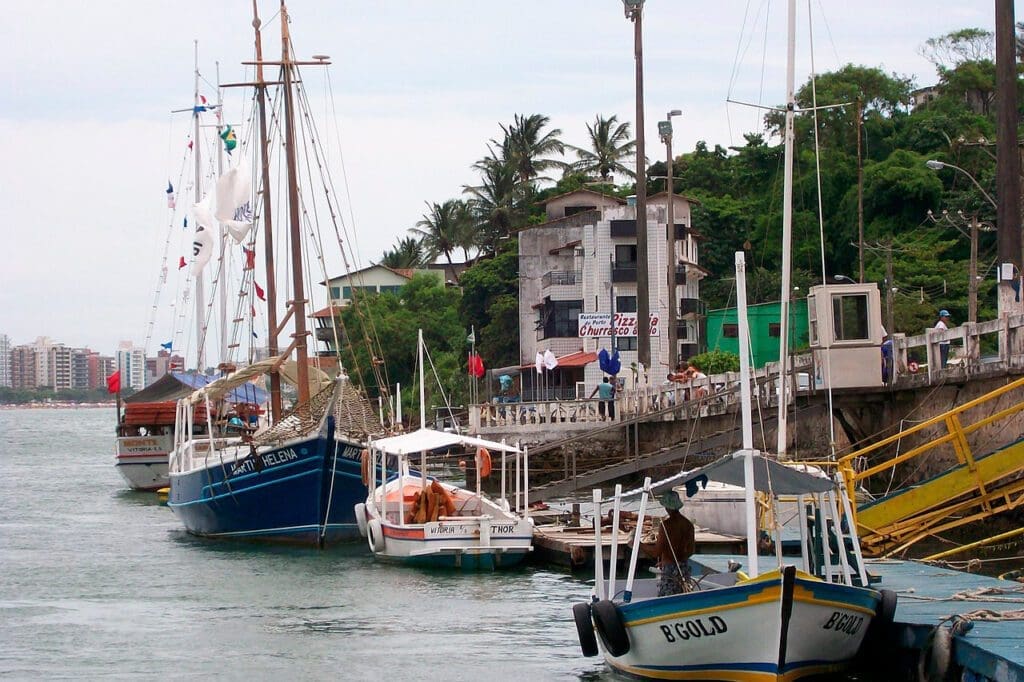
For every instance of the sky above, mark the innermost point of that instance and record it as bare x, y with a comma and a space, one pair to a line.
419, 88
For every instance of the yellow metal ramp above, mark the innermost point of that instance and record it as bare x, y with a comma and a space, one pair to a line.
972, 490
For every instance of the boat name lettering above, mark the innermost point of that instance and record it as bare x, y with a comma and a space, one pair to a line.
351, 452
461, 529
140, 443
248, 465
503, 528
696, 628
844, 622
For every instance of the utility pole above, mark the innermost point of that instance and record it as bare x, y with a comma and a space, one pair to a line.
972, 285
1007, 160
634, 11
889, 314
860, 195
665, 128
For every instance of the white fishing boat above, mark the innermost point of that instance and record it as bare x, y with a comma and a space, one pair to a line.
784, 624
418, 520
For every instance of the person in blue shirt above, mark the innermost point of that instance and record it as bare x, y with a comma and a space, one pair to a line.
606, 392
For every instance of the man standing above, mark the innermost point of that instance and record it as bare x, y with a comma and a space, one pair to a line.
943, 324
674, 546
606, 392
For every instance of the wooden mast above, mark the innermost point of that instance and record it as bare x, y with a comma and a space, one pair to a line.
787, 234
268, 231
196, 151
299, 301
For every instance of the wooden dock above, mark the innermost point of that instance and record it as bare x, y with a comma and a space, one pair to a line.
931, 597
573, 546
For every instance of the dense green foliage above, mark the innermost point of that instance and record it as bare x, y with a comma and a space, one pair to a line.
716, 362
23, 396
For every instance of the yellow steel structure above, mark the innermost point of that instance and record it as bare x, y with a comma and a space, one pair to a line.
974, 489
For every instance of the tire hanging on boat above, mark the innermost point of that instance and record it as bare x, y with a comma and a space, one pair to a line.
934, 661
610, 628
375, 535
585, 629
360, 512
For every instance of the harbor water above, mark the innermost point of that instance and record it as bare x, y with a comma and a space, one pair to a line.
97, 581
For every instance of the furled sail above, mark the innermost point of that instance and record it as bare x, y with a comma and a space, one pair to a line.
202, 243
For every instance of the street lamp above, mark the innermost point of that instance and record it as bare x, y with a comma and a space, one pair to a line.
843, 278
665, 131
634, 12
939, 165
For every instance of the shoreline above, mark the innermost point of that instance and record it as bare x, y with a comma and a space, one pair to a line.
54, 406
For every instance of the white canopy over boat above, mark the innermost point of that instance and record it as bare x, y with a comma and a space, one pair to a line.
770, 476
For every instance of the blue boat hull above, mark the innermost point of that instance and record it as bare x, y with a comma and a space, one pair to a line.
303, 492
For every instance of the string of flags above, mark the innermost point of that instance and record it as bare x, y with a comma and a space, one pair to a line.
170, 195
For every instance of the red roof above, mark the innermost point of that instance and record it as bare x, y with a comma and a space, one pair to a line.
578, 359
329, 311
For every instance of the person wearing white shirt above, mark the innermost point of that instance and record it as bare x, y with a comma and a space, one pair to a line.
943, 324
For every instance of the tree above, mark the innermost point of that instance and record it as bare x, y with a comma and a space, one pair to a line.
955, 48
609, 146
490, 303
444, 228
494, 204
526, 144
406, 253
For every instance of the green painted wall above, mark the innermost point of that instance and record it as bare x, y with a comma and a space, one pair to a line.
761, 317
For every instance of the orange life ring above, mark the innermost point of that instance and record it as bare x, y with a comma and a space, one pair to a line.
912, 366
364, 466
483, 462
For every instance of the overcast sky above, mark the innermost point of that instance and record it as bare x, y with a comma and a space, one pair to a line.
419, 88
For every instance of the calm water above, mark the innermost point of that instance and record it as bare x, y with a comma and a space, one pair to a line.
96, 581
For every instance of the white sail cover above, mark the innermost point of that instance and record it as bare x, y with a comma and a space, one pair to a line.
202, 242
234, 193
424, 440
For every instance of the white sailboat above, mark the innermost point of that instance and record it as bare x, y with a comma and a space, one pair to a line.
416, 520
783, 624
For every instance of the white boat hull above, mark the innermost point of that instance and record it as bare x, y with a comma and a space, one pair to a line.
757, 630
142, 460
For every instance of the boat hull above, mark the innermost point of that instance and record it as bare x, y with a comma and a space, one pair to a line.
760, 630
457, 544
301, 492
142, 461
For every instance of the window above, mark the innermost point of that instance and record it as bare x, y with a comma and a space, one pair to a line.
850, 317
730, 331
625, 254
625, 304
774, 329
561, 318
626, 342
390, 289
346, 293
336, 293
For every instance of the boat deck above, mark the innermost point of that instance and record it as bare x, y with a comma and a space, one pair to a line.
930, 596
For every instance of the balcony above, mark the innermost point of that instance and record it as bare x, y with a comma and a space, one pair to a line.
681, 231
680, 275
561, 278
623, 271
692, 307
622, 228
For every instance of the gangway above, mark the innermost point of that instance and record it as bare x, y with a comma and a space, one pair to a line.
975, 488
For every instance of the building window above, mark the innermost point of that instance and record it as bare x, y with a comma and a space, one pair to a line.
561, 318
774, 329
850, 317
335, 293
625, 254
346, 293
573, 210
730, 331
390, 289
626, 342
625, 304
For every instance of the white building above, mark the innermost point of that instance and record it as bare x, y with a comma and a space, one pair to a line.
5, 361
131, 362
583, 261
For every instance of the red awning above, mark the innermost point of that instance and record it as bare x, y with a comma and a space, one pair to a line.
578, 359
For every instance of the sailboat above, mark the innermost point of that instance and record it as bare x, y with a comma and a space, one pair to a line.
295, 478
415, 520
783, 624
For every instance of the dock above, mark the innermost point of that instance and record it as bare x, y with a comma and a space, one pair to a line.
572, 547
987, 615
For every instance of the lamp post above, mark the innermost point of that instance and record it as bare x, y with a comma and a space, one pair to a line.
939, 165
665, 130
975, 225
634, 12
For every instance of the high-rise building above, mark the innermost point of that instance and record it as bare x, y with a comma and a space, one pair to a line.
131, 362
5, 361
59, 366
80, 368
23, 367
41, 346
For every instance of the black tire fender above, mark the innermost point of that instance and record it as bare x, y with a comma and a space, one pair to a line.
585, 629
609, 626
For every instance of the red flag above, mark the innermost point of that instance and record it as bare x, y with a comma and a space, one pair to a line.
114, 382
250, 258
475, 365
181, 262
259, 292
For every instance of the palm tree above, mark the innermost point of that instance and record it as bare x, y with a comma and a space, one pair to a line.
443, 229
406, 253
495, 203
525, 146
610, 145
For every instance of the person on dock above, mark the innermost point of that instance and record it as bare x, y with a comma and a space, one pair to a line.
606, 392
674, 546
